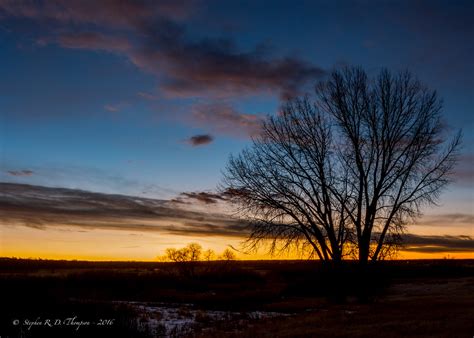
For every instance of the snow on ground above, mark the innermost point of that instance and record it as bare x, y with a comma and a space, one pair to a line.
168, 320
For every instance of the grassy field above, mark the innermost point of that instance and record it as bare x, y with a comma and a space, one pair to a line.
42, 298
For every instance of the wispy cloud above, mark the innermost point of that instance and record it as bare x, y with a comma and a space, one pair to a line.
20, 172
200, 140
94, 40
117, 14
116, 107
154, 36
464, 171
448, 219
222, 69
147, 96
202, 196
437, 244
222, 118
43, 208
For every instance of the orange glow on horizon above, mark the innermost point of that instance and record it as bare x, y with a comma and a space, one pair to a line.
63, 243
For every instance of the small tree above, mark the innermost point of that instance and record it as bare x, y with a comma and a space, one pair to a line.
345, 172
186, 257
209, 255
228, 255
191, 253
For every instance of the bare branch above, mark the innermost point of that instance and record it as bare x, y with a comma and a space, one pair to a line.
347, 169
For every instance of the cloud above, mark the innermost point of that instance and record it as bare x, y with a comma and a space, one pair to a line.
464, 171
157, 38
154, 36
20, 172
112, 13
216, 67
437, 244
199, 140
147, 96
203, 197
43, 208
447, 219
93, 40
206, 197
224, 119
113, 108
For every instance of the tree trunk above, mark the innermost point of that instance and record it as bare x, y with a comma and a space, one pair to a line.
363, 252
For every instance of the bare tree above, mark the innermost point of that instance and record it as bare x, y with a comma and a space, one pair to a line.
190, 253
186, 257
228, 255
344, 173
209, 255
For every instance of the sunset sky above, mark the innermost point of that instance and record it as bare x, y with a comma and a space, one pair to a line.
142, 102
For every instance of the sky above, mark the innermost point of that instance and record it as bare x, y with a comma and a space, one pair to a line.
149, 98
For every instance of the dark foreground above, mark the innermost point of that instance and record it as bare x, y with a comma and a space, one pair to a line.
236, 299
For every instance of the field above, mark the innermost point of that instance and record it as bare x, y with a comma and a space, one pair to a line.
424, 298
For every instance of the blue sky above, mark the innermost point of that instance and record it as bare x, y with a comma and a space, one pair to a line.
75, 104
106, 96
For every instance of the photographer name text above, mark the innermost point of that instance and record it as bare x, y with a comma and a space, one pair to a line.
73, 322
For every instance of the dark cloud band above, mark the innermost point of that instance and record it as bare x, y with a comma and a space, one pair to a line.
43, 208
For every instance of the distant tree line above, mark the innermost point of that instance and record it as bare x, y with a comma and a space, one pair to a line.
194, 252
191, 259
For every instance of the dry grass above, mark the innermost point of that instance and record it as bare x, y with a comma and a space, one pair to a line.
429, 308
398, 299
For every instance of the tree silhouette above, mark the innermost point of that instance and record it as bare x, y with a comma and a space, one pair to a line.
228, 255
191, 253
345, 172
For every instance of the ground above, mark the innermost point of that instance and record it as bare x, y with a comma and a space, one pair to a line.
43, 298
